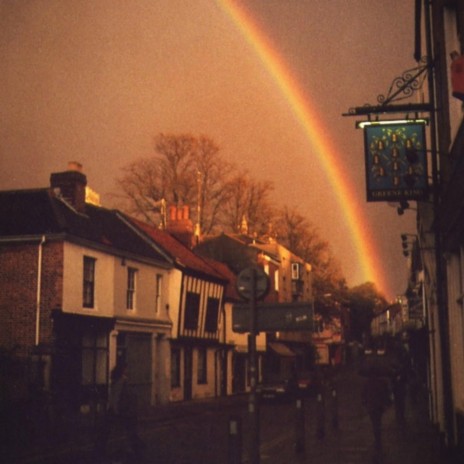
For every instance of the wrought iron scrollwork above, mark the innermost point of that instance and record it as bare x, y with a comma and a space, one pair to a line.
401, 88
405, 85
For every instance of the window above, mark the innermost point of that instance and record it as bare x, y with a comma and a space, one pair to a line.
175, 367
159, 286
89, 282
192, 310
202, 366
94, 357
276, 280
130, 298
212, 313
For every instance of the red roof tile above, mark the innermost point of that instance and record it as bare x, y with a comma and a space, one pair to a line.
182, 255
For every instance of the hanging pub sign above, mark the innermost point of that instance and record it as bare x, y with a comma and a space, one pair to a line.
396, 159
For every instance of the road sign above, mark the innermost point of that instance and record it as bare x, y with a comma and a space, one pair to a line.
245, 283
274, 317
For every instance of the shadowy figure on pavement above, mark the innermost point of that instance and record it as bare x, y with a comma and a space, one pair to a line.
400, 376
376, 392
376, 399
121, 416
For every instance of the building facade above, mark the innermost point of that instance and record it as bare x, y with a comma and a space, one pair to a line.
80, 290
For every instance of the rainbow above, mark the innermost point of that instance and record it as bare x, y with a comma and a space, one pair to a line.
318, 137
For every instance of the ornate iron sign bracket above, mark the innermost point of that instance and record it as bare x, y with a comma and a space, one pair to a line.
401, 88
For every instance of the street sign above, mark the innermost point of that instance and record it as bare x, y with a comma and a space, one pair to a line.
245, 279
274, 317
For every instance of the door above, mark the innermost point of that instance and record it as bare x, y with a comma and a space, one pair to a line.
188, 372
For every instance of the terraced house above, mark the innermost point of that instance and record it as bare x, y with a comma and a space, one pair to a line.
82, 286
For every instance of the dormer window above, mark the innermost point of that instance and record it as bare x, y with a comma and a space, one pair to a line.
296, 271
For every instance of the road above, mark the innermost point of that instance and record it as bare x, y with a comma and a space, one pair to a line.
198, 432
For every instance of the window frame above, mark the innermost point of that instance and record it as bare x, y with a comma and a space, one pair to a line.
131, 288
192, 311
212, 314
158, 292
88, 281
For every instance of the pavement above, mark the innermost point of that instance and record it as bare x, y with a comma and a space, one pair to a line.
347, 436
339, 433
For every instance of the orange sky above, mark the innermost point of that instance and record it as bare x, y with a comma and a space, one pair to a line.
95, 81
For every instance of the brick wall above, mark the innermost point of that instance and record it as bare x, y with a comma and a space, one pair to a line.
18, 293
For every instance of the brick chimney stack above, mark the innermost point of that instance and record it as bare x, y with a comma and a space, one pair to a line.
71, 185
180, 225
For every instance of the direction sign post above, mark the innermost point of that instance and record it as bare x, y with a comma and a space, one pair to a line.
252, 285
274, 317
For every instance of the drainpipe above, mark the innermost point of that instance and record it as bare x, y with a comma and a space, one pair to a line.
39, 284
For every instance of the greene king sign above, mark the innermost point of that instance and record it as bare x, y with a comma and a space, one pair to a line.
396, 160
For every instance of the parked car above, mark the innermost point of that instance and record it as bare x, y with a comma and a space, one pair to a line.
284, 390
306, 383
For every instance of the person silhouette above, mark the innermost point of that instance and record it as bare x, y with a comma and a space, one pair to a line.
376, 399
121, 413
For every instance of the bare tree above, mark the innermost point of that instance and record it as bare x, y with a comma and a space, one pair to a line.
303, 238
190, 170
184, 170
249, 205
213, 174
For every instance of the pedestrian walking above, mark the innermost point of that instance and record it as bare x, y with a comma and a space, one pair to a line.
121, 416
376, 399
400, 376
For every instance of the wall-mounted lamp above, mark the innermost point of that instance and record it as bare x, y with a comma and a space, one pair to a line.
123, 261
401, 207
406, 243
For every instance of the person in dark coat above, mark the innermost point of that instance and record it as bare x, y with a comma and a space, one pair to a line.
376, 399
401, 372
122, 412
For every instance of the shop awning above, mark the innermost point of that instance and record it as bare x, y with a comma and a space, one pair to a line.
281, 349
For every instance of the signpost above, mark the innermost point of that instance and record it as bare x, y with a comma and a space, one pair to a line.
252, 285
274, 317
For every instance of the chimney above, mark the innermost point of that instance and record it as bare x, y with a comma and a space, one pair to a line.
180, 225
71, 185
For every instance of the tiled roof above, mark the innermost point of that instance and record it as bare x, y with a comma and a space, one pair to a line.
39, 212
222, 268
181, 254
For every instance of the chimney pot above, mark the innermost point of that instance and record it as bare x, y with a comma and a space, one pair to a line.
74, 166
180, 225
71, 185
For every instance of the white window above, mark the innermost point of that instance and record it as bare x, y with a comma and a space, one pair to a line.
131, 287
276, 280
89, 282
296, 271
158, 295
